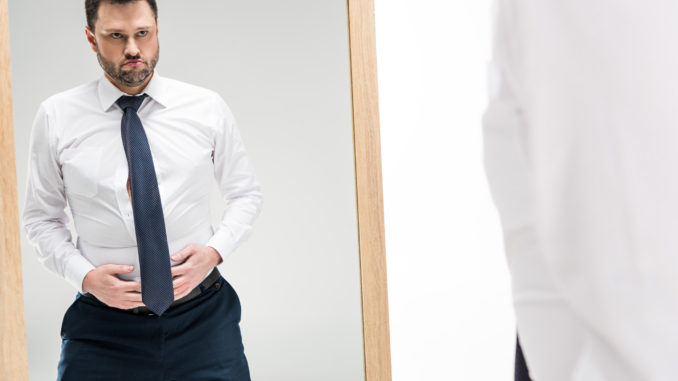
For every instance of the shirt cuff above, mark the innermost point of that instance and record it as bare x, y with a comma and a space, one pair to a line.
76, 269
223, 243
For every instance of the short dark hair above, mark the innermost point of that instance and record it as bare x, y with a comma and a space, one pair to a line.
92, 8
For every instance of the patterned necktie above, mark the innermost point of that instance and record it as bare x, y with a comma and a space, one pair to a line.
157, 291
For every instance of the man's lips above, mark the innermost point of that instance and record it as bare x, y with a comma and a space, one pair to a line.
134, 63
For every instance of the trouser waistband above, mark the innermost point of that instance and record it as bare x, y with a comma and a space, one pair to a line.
209, 281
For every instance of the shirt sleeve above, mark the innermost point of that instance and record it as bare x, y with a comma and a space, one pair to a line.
44, 218
507, 156
237, 182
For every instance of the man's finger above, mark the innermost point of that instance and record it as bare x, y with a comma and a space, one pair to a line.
129, 285
179, 269
183, 253
127, 306
133, 297
178, 282
116, 269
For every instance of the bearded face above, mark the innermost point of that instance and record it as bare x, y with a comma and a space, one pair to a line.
125, 39
132, 71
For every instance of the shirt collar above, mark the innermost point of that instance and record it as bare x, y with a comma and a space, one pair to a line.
108, 93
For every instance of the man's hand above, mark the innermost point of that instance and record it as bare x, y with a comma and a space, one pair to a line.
200, 260
111, 290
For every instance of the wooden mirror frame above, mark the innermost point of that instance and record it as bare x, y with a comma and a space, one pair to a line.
370, 210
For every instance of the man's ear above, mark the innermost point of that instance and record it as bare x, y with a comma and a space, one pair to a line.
91, 39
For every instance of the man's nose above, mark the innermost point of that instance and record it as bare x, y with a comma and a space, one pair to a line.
131, 48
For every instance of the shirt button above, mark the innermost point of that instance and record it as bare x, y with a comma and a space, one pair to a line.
217, 286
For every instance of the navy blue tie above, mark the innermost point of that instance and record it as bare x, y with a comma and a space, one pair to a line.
157, 291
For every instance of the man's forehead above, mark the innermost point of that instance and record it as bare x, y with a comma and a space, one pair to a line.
134, 15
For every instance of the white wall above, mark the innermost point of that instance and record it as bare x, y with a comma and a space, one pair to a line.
450, 310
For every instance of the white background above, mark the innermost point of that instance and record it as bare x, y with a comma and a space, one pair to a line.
449, 293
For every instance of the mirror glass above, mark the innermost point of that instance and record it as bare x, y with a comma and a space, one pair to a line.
283, 68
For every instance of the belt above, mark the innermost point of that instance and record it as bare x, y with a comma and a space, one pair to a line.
210, 280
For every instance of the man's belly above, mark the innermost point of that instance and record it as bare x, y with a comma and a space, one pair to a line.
98, 255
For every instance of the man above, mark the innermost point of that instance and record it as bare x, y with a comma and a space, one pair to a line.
580, 138
133, 155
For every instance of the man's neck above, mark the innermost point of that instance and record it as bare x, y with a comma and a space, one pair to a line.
127, 89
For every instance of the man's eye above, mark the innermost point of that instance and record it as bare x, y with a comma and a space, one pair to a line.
143, 33
116, 35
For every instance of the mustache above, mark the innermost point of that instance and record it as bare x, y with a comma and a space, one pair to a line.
137, 57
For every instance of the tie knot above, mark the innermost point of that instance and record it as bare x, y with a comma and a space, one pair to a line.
128, 101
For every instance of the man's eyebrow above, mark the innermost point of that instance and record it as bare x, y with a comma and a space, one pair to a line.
114, 30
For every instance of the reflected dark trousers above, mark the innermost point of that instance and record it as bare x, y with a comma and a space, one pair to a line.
197, 340
521, 373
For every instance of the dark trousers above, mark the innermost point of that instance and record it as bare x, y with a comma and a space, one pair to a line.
197, 340
521, 372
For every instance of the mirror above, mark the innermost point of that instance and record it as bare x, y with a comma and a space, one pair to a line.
300, 78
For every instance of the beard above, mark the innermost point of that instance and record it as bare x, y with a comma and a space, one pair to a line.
130, 78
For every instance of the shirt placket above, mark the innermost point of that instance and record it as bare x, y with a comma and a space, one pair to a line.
124, 204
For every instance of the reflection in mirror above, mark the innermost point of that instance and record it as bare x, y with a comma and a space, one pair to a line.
283, 69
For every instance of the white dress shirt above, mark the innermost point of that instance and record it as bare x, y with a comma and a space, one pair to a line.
581, 139
77, 158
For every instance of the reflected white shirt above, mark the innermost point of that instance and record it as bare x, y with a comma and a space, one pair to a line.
580, 138
76, 157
